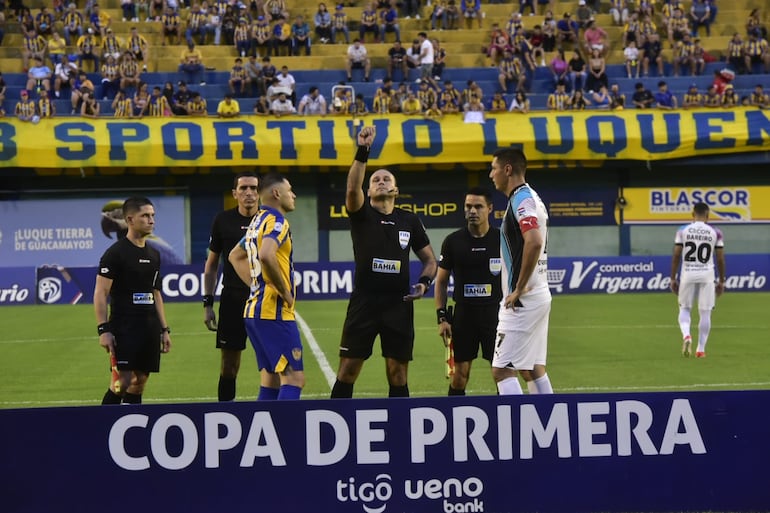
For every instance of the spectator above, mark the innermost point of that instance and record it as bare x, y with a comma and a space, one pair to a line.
111, 79
471, 9
520, 103
228, 25
262, 106
357, 58
439, 13
242, 38
664, 99
397, 60
359, 107
281, 38
567, 30
156, 10
141, 100
129, 10
647, 27
633, 62
515, 25
523, 4
559, 99
228, 108
692, 99
64, 74
56, 48
34, 46
111, 45
683, 55
699, 57
39, 76
583, 14
157, 106
426, 58
172, 27
754, 25
498, 103
439, 61
399, 95
312, 104
129, 71
138, 46
678, 26
426, 94
756, 53
192, 64
577, 70
168, 93
73, 24
668, 11
44, 22
597, 71
452, 15
619, 12
499, 43
122, 105
237, 79
643, 98
523, 50
180, 101
260, 37
559, 67
617, 99
735, 54
712, 99
389, 19
253, 71
549, 32
511, 71
730, 97
411, 106
197, 106
300, 34
340, 103
758, 98
323, 24
25, 107
601, 99
369, 23
275, 10
595, 37
340, 24
652, 53
632, 30
213, 24
81, 87
287, 82
26, 21
700, 16
196, 24
536, 40
90, 108
578, 101
100, 21
382, 100
473, 91
449, 99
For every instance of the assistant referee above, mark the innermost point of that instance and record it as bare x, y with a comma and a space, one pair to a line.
381, 302
472, 256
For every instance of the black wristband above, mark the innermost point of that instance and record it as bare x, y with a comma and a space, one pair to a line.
165, 330
441, 315
425, 281
104, 328
362, 154
208, 300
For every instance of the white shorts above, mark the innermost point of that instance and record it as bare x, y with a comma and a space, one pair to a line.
704, 291
523, 343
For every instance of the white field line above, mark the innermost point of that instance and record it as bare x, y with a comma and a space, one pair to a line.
323, 362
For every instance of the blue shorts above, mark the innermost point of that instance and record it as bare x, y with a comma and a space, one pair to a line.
276, 344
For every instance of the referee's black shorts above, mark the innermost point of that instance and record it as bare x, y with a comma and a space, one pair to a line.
137, 342
388, 316
474, 326
231, 332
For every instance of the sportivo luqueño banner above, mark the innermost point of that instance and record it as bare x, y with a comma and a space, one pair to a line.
77, 231
728, 204
334, 280
677, 451
329, 141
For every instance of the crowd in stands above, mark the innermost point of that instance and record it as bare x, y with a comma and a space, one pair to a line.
62, 42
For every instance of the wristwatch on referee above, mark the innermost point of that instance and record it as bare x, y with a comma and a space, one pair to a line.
165, 330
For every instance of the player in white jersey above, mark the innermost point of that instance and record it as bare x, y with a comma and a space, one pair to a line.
522, 329
695, 246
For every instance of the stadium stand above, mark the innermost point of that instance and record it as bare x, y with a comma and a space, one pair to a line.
465, 59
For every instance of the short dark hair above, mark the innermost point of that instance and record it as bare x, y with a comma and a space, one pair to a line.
243, 174
269, 180
133, 204
481, 191
513, 157
700, 208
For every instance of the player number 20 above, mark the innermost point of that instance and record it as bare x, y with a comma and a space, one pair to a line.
699, 252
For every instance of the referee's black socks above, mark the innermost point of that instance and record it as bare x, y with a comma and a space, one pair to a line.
111, 397
342, 390
132, 398
226, 390
456, 391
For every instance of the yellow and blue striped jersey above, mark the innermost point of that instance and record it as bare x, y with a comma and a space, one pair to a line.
264, 300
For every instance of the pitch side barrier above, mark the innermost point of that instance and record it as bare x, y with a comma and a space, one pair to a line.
334, 280
674, 451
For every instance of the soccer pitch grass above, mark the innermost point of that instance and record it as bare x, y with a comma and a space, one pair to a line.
597, 343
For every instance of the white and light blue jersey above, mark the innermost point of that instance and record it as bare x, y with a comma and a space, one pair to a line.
699, 241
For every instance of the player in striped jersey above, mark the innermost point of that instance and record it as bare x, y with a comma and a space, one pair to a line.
522, 328
264, 260
25, 107
696, 246
122, 105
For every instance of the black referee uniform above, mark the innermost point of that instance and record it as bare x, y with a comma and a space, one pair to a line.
134, 322
475, 263
227, 230
381, 247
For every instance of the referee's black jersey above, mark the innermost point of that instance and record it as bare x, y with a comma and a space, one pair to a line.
135, 274
381, 246
227, 230
475, 263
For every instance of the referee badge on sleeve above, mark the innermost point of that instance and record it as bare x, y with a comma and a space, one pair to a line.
403, 238
495, 266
